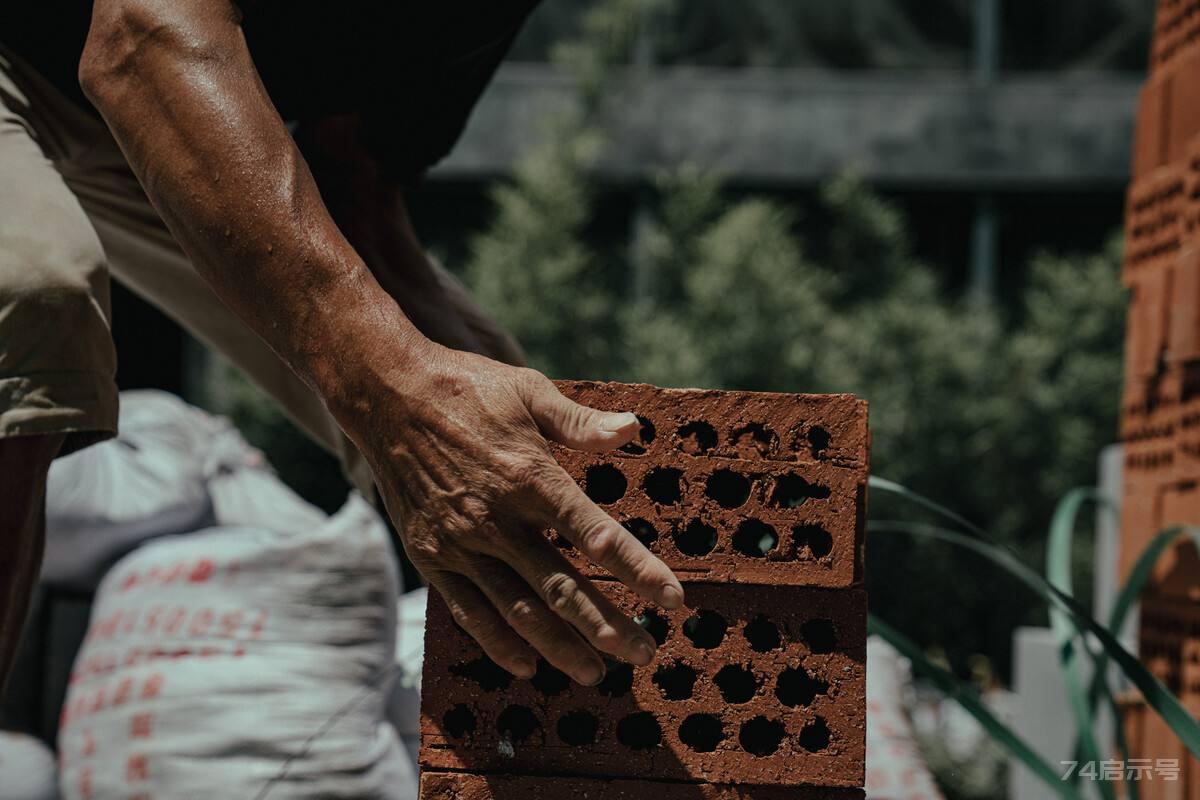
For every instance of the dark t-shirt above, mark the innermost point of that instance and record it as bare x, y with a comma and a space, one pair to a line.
414, 70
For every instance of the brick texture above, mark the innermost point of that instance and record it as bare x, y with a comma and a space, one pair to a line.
734, 486
790, 712
1160, 405
499, 787
757, 501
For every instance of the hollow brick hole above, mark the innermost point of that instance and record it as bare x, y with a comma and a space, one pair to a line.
662, 485
814, 737
643, 530
617, 681
578, 728
737, 684
459, 721
676, 682
755, 538
485, 672
654, 624
702, 732
761, 736
516, 724
644, 438
819, 635
639, 731
762, 634
730, 489
818, 441
755, 439
706, 629
604, 483
549, 680
795, 687
812, 541
696, 538
792, 490
696, 438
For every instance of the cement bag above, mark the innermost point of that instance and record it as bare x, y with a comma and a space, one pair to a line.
895, 769
245, 491
27, 770
231, 660
105, 500
404, 702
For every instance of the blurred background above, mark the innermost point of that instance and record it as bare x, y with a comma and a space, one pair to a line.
918, 201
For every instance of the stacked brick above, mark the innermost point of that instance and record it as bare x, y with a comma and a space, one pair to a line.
758, 690
1160, 420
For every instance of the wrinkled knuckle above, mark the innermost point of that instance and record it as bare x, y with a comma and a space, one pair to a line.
424, 551
464, 619
603, 542
522, 615
562, 593
531, 380
540, 478
490, 538
607, 638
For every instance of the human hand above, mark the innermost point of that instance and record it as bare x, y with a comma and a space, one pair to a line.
461, 459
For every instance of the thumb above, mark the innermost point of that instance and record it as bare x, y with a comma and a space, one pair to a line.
577, 426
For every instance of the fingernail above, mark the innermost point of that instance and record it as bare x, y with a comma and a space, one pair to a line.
670, 597
614, 423
591, 675
524, 669
643, 653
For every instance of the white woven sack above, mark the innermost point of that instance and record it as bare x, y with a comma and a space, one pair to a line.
241, 662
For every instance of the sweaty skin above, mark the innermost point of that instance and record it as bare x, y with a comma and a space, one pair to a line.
457, 441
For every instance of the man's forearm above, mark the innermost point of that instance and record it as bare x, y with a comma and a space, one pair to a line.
175, 83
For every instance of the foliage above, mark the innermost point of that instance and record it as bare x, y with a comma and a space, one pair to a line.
995, 414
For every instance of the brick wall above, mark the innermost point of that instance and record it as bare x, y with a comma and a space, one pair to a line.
1160, 424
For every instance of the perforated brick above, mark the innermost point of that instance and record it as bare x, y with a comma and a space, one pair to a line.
733, 486
751, 685
1155, 207
1149, 144
1176, 33
460, 786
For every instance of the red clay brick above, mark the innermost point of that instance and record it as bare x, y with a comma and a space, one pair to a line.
1176, 34
1155, 208
1149, 145
812, 639
463, 786
1184, 114
1147, 322
1184, 344
795, 463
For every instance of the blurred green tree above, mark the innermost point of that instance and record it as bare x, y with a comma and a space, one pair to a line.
992, 414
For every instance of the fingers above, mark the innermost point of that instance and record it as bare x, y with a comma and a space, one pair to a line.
576, 599
574, 425
479, 618
528, 615
599, 537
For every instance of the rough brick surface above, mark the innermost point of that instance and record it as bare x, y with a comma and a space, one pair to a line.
757, 502
461, 786
790, 712
1176, 33
734, 486
1160, 408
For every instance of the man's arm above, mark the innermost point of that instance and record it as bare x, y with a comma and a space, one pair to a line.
455, 440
